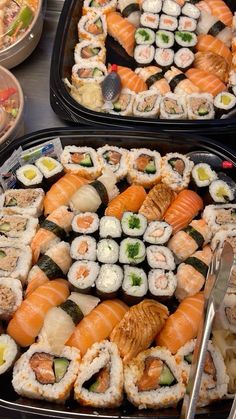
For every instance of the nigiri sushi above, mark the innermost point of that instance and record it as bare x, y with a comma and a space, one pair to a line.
192, 273
157, 202
130, 10
220, 9
206, 82
214, 63
130, 80
61, 192
28, 319
179, 83
97, 325
208, 24
154, 78
56, 225
121, 30
129, 200
209, 43
183, 324
184, 208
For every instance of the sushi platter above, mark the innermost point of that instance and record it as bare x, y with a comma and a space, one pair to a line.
89, 235
167, 76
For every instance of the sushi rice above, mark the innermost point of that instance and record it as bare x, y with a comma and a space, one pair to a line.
9, 352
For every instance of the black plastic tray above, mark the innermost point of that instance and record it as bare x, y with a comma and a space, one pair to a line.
97, 137
68, 109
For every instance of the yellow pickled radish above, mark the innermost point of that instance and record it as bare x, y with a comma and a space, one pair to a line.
30, 174
225, 100
2, 352
49, 163
202, 174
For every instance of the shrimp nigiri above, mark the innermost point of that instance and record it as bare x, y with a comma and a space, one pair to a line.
129, 200
206, 25
28, 319
130, 80
183, 324
220, 10
154, 78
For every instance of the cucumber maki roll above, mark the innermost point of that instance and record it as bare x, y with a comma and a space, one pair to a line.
109, 280
186, 38
133, 225
132, 251
135, 284
8, 353
29, 176
82, 275
107, 251
164, 39
144, 36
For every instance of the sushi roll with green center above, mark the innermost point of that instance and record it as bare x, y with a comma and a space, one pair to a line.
200, 106
186, 38
132, 251
82, 275
158, 232
144, 167
29, 176
107, 251
8, 353
160, 257
164, 39
133, 225
135, 285
203, 175
109, 280
144, 36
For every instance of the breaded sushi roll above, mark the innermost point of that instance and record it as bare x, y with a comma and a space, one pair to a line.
85, 223
23, 201
100, 378
92, 26
82, 274
162, 284
15, 259
173, 106
82, 161
110, 227
158, 232
135, 285
107, 251
226, 316
132, 251
42, 374
29, 176
147, 104
16, 226
11, 295
102, 6
163, 387
124, 104
176, 170
160, 257
220, 216
200, 106
8, 351
83, 247
203, 175
133, 225
144, 167
109, 280
90, 51
116, 158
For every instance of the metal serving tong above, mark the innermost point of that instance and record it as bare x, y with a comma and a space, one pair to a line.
215, 288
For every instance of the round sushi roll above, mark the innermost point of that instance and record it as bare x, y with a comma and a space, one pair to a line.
221, 191
101, 360
160, 257
176, 170
11, 295
109, 280
8, 352
147, 104
190, 10
15, 259
82, 161
171, 7
165, 391
124, 104
186, 39
82, 274
144, 54
162, 284
168, 23
20, 227
51, 169
144, 36
43, 374
90, 51
130, 10
144, 167
224, 102
87, 72
92, 26
107, 251
203, 175
85, 223
152, 6
133, 225
149, 20
116, 158
23, 201
220, 216
184, 58
226, 315
132, 251
110, 227
187, 24
164, 39
83, 247
135, 285
29, 176
104, 7
173, 106
200, 106
157, 232
164, 57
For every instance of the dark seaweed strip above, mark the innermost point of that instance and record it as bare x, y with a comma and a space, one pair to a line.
130, 9
216, 28
176, 80
73, 310
197, 264
49, 267
101, 190
198, 237
155, 77
54, 228
194, 1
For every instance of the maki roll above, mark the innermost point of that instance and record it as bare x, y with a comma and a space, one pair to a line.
144, 167
225, 317
176, 170
184, 58
104, 7
29, 176
168, 23
144, 54
203, 175
164, 57
220, 216
173, 106
110, 227
224, 102
149, 20
82, 275
132, 251
164, 39
107, 251
200, 106
23, 201
190, 10
187, 24
15, 259
42, 374
90, 51
171, 7
92, 26
14, 226
160, 257
130, 10
115, 158
83, 247
109, 280
165, 390
133, 225
100, 378
144, 36
186, 39
11, 295
82, 161
135, 285
124, 104
85, 223
222, 191
147, 104
161, 283
158, 232
87, 72
152, 6
8, 353
51, 169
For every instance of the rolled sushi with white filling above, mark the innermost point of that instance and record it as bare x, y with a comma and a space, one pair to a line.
161, 283
29, 176
132, 251
130, 10
133, 225
152, 6
203, 175
160, 257
158, 232
221, 191
109, 280
82, 274
110, 227
171, 7
164, 57
191, 10
83, 247
184, 58
8, 353
107, 251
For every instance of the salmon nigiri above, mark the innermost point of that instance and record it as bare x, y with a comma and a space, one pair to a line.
154, 78
212, 44
181, 85
183, 324
61, 192
121, 30
130, 80
207, 82
129, 200
184, 208
220, 10
28, 319
97, 325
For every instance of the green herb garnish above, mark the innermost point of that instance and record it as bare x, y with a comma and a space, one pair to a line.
134, 222
132, 250
135, 280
